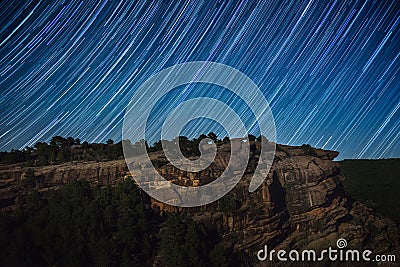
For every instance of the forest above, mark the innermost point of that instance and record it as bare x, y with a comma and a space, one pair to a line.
61, 150
110, 226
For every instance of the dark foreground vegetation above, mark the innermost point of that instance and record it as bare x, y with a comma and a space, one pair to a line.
376, 183
112, 226
60, 150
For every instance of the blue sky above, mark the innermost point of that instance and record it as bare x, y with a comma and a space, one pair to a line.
329, 70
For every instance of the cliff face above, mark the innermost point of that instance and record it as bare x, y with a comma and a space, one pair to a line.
16, 181
301, 204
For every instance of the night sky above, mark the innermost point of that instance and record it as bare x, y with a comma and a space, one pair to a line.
329, 69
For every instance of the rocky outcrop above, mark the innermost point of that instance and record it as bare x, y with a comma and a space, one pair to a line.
15, 180
301, 204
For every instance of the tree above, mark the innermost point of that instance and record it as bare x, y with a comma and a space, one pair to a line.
110, 142
172, 240
262, 139
251, 137
60, 149
195, 244
70, 141
58, 142
113, 226
213, 136
14, 156
201, 137
42, 152
85, 145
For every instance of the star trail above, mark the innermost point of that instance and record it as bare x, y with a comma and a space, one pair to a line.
329, 69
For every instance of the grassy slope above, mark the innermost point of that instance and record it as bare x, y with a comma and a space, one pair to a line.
375, 183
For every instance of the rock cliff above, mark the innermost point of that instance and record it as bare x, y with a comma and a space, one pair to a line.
301, 204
